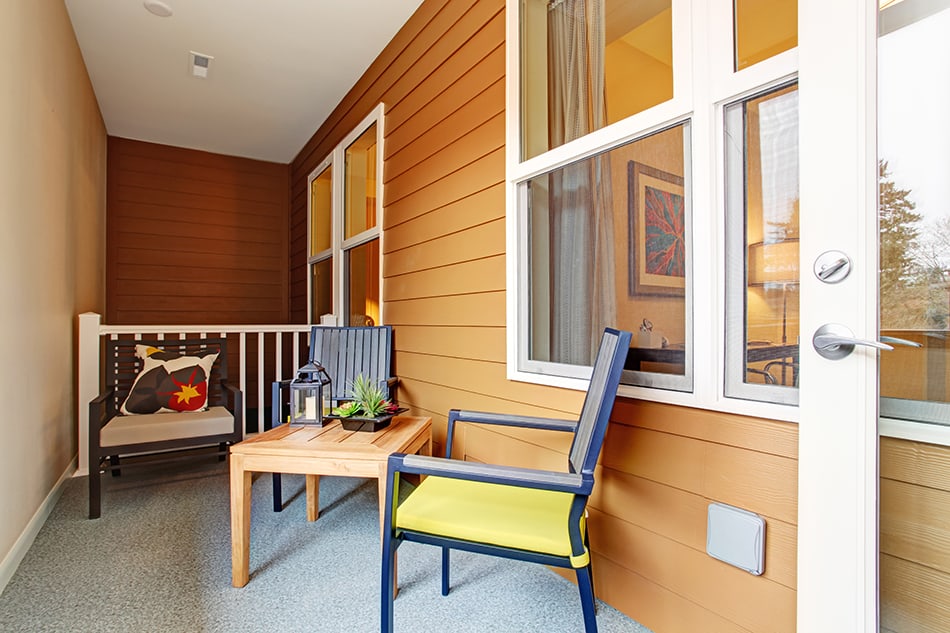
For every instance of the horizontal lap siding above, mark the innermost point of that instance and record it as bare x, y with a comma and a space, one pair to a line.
194, 237
649, 507
444, 291
915, 536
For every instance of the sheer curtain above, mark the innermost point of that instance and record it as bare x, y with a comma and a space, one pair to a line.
583, 296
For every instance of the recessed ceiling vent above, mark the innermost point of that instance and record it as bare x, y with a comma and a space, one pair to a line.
199, 64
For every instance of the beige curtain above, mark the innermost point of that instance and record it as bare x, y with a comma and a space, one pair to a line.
582, 244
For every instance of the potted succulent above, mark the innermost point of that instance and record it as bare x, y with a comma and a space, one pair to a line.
368, 409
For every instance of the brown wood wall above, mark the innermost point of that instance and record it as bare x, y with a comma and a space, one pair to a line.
442, 79
915, 537
194, 237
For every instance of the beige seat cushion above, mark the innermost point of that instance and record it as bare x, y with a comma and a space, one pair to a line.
157, 427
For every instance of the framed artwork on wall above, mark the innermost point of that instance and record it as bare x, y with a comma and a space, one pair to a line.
656, 231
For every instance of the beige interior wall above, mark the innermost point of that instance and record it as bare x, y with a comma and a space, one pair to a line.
52, 204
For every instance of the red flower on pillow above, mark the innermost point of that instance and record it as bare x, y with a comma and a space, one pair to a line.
191, 393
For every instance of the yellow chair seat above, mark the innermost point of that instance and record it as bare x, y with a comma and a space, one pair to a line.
507, 516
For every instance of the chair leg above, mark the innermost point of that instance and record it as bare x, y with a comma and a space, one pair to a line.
95, 491
387, 583
223, 449
585, 583
114, 461
590, 569
445, 571
278, 496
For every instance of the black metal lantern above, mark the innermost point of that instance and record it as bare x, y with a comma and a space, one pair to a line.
307, 394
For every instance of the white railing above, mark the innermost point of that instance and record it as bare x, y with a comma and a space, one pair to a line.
269, 356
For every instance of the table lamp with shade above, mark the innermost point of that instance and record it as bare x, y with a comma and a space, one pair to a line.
775, 264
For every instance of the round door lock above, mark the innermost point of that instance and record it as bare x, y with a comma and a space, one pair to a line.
832, 266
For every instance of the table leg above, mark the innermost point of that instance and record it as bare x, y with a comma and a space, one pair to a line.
313, 497
240, 521
381, 480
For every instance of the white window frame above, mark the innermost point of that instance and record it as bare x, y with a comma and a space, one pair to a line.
703, 83
338, 245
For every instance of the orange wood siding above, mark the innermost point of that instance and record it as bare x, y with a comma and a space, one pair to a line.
442, 81
194, 237
915, 536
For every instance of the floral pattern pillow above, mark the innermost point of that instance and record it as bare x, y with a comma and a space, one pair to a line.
169, 382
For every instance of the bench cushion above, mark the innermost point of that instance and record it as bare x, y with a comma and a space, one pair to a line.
157, 427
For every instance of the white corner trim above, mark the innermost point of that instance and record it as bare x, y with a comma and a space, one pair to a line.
13, 558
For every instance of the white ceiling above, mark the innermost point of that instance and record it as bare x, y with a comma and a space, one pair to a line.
279, 67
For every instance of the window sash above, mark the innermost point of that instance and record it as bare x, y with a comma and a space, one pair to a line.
703, 83
340, 246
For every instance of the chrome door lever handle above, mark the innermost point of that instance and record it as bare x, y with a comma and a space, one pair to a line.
893, 340
834, 341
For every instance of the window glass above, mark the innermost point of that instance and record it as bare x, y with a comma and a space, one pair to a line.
321, 288
764, 28
362, 266
344, 267
609, 247
360, 184
321, 207
588, 63
762, 242
913, 98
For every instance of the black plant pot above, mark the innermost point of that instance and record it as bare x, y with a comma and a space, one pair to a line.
369, 425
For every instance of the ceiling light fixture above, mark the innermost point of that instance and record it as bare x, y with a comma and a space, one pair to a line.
157, 7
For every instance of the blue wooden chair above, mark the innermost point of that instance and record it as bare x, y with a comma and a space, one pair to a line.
345, 353
518, 513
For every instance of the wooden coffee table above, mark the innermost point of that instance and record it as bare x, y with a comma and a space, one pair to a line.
314, 451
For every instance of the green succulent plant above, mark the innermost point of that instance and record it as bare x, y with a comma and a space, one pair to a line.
368, 400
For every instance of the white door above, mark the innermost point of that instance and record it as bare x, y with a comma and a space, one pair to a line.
837, 527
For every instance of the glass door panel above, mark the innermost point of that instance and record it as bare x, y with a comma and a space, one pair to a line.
914, 220
915, 209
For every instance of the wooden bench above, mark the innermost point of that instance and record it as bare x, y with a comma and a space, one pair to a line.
160, 436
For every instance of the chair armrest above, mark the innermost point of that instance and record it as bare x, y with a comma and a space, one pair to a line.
575, 483
276, 404
392, 383
502, 419
102, 408
236, 398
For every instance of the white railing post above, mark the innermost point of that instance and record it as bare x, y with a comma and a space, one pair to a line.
242, 375
88, 381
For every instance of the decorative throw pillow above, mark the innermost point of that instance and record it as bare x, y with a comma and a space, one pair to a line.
169, 382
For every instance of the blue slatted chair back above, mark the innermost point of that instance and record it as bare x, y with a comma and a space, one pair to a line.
346, 352
595, 414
